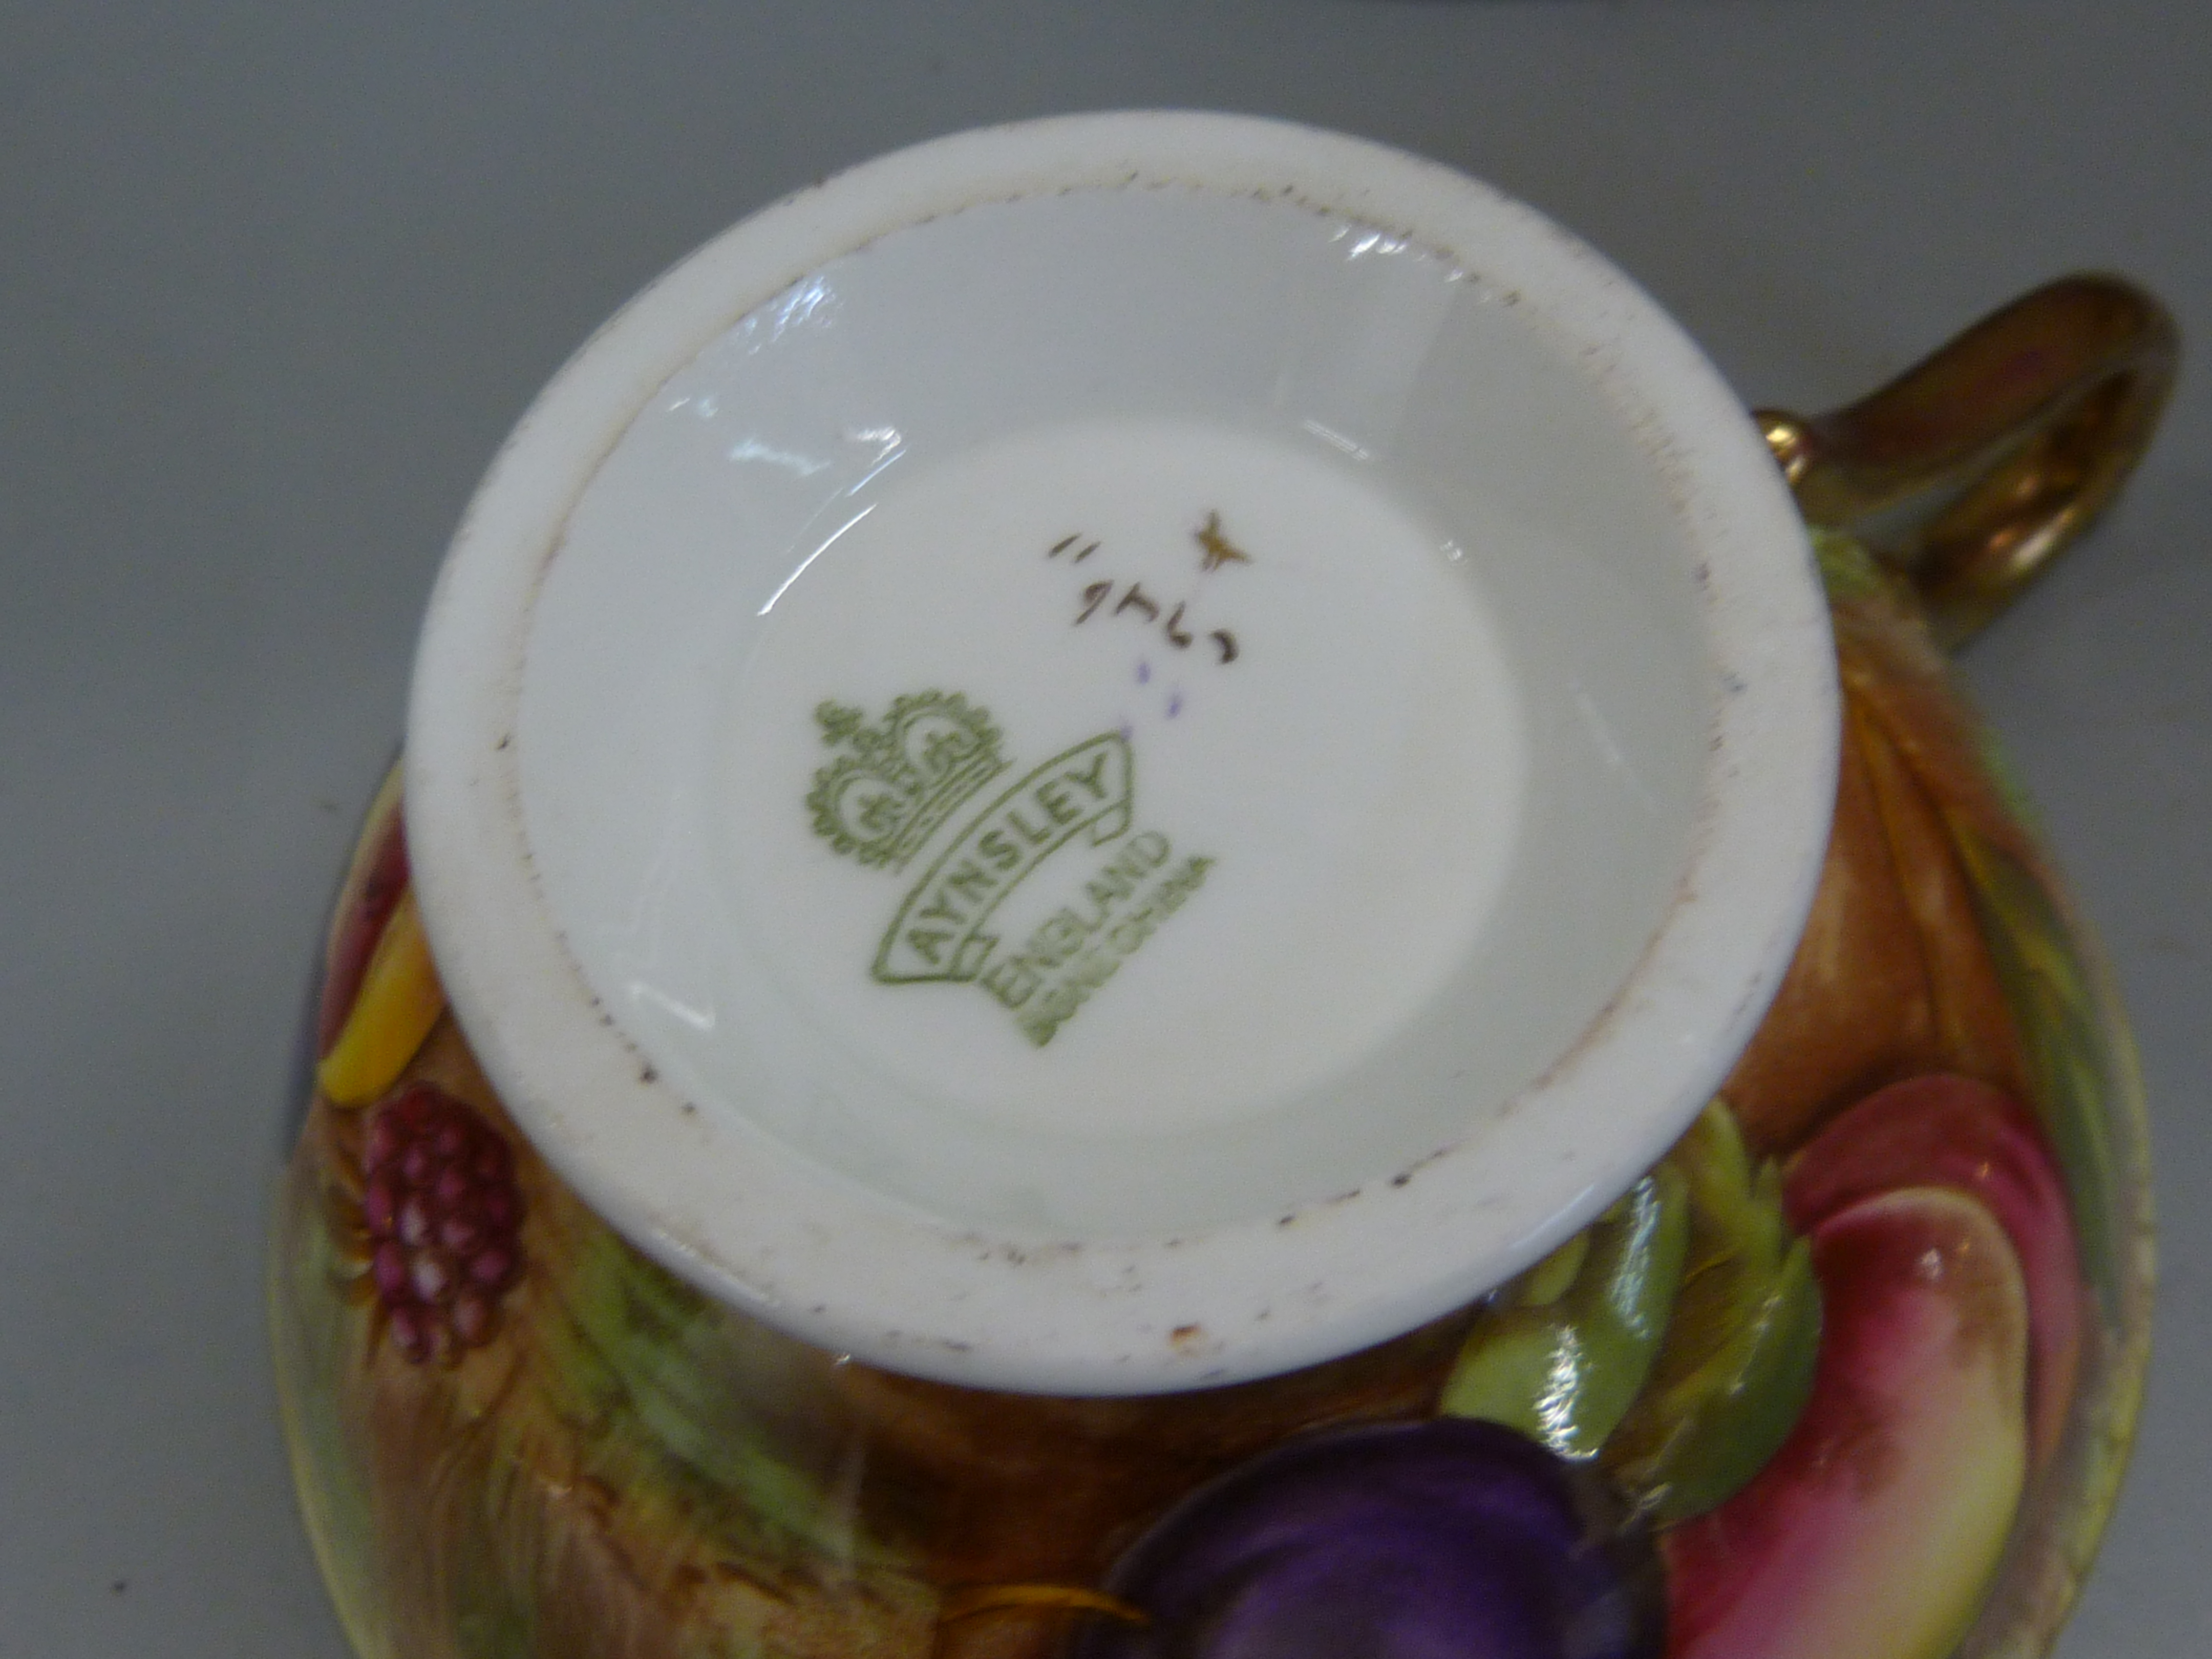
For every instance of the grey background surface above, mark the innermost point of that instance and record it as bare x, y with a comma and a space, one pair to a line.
275, 279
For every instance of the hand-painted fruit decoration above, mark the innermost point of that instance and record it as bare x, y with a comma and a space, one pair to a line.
439, 1205
378, 883
1737, 1366
1952, 1131
1564, 1351
1874, 1322
1859, 1478
1410, 1540
1674, 1339
1956, 1306
1874, 1532
380, 989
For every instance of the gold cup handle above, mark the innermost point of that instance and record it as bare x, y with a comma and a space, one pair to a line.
2018, 432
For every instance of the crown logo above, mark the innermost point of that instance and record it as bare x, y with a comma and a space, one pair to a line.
893, 783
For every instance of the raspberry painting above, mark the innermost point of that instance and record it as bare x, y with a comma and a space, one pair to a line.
441, 1209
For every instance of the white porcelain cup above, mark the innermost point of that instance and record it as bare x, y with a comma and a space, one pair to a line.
1122, 753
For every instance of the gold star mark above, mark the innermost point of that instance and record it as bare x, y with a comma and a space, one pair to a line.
1219, 550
